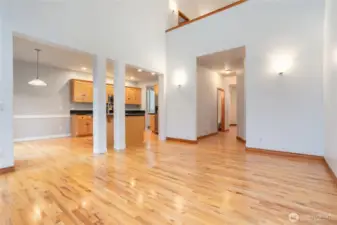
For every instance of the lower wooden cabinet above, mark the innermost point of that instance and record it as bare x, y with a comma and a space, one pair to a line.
153, 123
81, 125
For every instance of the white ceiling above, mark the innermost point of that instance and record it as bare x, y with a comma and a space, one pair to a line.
195, 8
232, 59
65, 58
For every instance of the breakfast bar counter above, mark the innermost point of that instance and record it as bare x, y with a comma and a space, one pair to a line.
134, 126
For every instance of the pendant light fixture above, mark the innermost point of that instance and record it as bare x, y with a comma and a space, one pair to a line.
37, 81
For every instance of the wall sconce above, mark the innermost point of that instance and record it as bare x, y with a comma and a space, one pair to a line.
179, 78
173, 6
282, 64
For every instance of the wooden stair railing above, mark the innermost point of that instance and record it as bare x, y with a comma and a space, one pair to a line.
207, 15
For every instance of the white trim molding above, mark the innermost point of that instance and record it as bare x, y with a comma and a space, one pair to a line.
42, 137
41, 116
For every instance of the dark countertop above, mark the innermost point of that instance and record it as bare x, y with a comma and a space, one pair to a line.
152, 113
90, 112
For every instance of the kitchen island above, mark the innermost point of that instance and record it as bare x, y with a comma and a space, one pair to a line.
134, 126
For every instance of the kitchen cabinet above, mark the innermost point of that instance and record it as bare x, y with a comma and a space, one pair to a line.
156, 90
153, 123
133, 96
82, 91
81, 125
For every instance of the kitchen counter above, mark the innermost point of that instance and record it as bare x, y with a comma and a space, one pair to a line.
90, 112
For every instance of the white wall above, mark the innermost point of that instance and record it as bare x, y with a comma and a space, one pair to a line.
228, 81
45, 112
330, 82
219, 106
241, 104
196, 8
233, 110
282, 113
131, 31
6, 97
207, 83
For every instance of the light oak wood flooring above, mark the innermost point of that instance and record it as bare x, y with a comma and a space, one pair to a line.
215, 182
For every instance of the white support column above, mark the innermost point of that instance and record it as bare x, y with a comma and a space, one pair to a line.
6, 96
162, 107
99, 73
119, 105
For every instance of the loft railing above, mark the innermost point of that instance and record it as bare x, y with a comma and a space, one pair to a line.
207, 15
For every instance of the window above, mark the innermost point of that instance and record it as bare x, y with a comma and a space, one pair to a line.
150, 100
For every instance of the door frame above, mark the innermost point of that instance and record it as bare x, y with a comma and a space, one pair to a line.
223, 112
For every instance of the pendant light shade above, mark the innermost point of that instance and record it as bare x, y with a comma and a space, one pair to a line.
37, 81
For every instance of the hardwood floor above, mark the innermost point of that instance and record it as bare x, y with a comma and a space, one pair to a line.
214, 182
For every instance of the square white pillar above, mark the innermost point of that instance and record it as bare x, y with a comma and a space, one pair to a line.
162, 108
119, 105
99, 105
6, 96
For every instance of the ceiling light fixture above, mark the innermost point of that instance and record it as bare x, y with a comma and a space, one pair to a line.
228, 71
37, 81
132, 78
153, 73
140, 70
84, 68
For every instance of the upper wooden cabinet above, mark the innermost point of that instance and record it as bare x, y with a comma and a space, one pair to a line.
133, 96
82, 91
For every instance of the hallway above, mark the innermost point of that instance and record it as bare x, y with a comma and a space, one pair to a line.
214, 182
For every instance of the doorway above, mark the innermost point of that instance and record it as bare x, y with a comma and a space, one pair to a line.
221, 109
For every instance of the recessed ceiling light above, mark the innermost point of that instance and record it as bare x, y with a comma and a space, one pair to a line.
84, 68
132, 78
140, 70
153, 74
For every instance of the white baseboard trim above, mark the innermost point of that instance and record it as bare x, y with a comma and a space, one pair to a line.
42, 137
